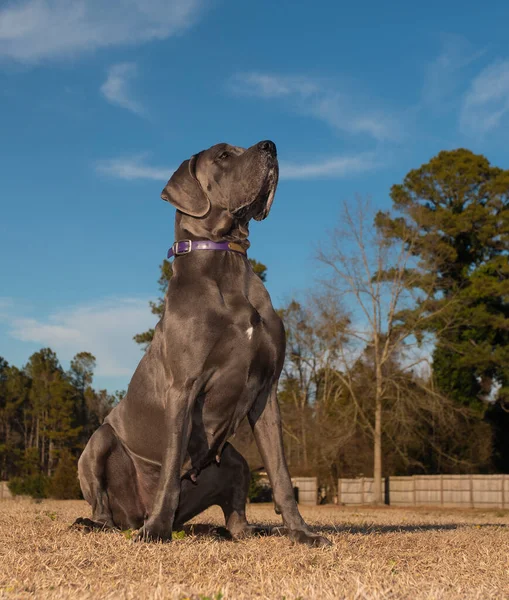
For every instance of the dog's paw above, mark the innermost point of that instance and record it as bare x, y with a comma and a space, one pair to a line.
151, 532
310, 539
87, 525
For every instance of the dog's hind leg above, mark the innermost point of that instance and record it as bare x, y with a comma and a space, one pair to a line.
108, 482
92, 476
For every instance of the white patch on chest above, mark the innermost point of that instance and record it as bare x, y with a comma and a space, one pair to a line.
249, 332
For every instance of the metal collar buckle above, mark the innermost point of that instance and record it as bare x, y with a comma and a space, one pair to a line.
177, 252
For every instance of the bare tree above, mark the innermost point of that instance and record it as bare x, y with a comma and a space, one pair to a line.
382, 285
307, 374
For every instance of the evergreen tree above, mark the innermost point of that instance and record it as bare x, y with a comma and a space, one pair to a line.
64, 485
80, 376
51, 408
458, 205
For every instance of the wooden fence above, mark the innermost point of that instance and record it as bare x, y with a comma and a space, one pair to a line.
4, 491
467, 491
307, 486
357, 491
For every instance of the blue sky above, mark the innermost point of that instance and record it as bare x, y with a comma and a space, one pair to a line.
100, 102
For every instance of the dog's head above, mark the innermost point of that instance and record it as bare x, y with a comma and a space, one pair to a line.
226, 179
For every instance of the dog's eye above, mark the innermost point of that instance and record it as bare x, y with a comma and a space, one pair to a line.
223, 155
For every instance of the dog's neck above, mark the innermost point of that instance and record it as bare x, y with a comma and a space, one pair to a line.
217, 225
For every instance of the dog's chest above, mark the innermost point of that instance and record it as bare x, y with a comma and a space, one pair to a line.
262, 341
248, 360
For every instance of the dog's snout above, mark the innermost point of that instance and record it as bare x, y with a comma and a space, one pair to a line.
268, 146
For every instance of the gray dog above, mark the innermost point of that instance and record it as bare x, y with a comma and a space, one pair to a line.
162, 456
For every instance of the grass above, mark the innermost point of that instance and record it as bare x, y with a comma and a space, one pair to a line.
377, 553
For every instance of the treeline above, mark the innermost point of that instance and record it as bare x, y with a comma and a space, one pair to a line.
47, 415
329, 408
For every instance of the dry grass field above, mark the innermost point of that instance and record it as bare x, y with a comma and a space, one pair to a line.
376, 553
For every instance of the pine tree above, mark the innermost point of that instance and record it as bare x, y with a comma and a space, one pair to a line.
51, 408
457, 203
80, 376
64, 484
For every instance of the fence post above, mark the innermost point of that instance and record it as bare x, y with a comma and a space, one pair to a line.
414, 492
339, 491
503, 490
471, 478
441, 490
362, 490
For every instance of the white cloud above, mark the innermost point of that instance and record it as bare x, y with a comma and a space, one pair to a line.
341, 166
443, 74
322, 101
105, 329
35, 30
133, 167
486, 103
116, 88
272, 86
6, 305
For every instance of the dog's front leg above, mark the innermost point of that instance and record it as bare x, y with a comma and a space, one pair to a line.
179, 424
265, 419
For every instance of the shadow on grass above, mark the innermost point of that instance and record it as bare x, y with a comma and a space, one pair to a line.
374, 529
275, 530
221, 533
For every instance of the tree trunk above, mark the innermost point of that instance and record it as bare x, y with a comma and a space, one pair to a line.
43, 451
29, 437
303, 426
377, 467
50, 458
377, 454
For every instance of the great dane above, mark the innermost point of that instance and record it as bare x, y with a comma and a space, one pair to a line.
162, 455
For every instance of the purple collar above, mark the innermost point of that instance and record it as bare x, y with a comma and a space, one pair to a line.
186, 246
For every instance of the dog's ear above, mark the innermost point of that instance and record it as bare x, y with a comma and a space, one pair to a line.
184, 191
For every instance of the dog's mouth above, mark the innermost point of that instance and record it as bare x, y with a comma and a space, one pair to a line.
263, 202
259, 207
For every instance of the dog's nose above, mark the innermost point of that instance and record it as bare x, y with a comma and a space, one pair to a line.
268, 146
